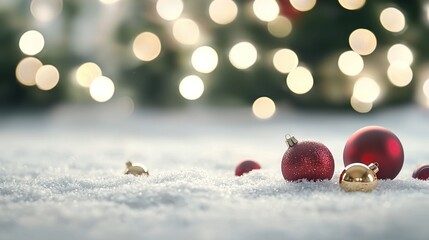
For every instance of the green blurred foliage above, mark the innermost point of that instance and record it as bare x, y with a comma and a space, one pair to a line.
318, 37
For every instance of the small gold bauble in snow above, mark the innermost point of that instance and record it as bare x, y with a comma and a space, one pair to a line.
135, 170
358, 177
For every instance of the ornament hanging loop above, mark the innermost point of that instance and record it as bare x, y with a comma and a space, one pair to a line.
291, 140
373, 167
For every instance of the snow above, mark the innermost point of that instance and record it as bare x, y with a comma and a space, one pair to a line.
61, 176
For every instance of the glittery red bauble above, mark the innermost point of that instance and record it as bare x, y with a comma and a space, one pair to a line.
375, 145
421, 172
245, 167
307, 160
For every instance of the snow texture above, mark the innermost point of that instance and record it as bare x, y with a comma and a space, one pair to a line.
61, 176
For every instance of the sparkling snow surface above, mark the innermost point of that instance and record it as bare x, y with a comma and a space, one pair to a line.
61, 177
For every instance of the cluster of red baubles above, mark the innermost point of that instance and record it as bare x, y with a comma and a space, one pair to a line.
309, 160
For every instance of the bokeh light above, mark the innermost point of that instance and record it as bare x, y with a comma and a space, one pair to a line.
186, 31
204, 59
285, 60
191, 87
47, 77
266, 10
400, 53
363, 41
31, 42
426, 88
350, 63
243, 55
263, 108
280, 27
400, 74
107, 2
359, 106
125, 105
169, 9
392, 19
352, 4
46, 10
366, 90
303, 5
102, 89
26, 71
300, 80
426, 9
223, 11
86, 73
146, 46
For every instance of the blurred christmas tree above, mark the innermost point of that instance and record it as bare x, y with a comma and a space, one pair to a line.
304, 53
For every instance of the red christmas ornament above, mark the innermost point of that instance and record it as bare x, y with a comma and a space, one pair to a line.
286, 9
375, 144
421, 172
246, 166
307, 160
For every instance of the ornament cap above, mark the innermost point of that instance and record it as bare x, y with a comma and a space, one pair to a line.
373, 167
291, 140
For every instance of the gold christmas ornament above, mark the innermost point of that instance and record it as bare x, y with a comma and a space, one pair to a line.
135, 170
358, 177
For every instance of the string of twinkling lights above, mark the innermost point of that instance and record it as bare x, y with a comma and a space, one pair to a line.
193, 41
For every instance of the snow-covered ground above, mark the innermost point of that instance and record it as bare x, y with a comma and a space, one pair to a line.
61, 177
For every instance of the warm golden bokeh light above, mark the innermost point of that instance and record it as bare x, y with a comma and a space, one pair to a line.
195, 34
243, 55
400, 53
266, 10
285, 60
426, 9
263, 108
26, 71
350, 63
223, 11
280, 27
31, 42
169, 9
400, 74
191, 87
352, 4
47, 77
366, 90
86, 73
146, 46
363, 41
303, 5
360, 107
204, 59
107, 2
426, 88
102, 89
186, 31
392, 19
46, 10
300, 80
